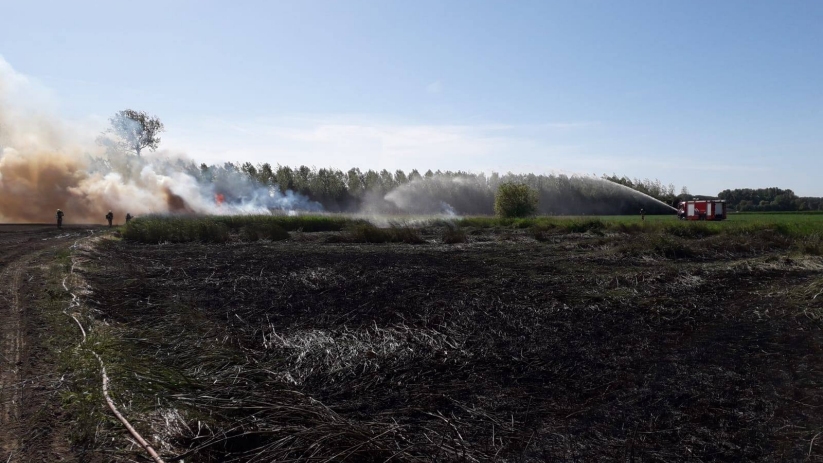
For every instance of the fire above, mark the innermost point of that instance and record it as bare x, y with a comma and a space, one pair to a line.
219, 198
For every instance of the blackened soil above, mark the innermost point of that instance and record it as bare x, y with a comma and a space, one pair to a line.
579, 349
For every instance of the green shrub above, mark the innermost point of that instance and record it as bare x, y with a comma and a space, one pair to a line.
515, 200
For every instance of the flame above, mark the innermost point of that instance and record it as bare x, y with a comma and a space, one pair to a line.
219, 198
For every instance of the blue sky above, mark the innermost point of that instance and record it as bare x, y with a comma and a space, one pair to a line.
706, 94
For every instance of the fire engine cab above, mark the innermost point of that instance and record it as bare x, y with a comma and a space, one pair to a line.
708, 209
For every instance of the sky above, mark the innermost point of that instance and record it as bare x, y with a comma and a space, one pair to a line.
706, 94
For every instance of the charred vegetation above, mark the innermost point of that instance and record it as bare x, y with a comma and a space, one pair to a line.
591, 342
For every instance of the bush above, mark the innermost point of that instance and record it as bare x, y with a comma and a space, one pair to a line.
368, 233
515, 200
671, 248
543, 231
157, 229
583, 226
267, 231
692, 230
454, 235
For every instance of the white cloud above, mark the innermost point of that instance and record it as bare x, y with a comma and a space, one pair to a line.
355, 141
435, 87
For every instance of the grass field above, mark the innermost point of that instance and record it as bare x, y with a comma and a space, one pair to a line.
787, 223
804, 230
473, 339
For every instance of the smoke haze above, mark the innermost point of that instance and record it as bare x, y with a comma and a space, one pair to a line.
557, 195
45, 165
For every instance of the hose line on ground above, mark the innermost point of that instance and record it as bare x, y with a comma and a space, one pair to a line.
143, 443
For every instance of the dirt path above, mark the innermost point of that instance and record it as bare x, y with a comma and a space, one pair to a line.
24, 250
12, 348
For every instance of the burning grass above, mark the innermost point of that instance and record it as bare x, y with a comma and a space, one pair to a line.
596, 343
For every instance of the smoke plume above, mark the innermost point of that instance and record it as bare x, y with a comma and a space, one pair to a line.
46, 164
557, 195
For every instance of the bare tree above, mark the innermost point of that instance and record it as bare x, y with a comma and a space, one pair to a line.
132, 131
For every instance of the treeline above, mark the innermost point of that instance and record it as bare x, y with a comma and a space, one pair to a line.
769, 199
431, 191
654, 188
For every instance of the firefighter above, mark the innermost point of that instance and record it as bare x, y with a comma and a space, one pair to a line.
109, 217
59, 218
128, 217
642, 215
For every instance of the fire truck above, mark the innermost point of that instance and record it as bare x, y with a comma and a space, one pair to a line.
704, 209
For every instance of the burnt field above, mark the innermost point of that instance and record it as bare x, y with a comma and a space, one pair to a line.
569, 347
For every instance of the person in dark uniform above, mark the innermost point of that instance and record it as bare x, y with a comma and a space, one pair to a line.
59, 218
109, 217
128, 217
642, 215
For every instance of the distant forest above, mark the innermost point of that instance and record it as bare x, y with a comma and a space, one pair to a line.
769, 199
469, 193
439, 192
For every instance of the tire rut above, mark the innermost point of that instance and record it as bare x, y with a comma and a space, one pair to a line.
11, 350
23, 375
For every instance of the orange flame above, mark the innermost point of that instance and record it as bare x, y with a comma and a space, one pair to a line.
219, 198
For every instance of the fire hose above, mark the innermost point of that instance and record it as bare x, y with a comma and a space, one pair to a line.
140, 440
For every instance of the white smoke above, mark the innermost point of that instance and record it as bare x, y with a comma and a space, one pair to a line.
47, 164
558, 195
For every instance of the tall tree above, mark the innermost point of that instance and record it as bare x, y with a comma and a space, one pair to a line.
132, 131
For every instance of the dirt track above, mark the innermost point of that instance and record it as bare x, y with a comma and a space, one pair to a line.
24, 385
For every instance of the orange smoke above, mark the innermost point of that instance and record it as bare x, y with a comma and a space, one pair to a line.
47, 164
33, 187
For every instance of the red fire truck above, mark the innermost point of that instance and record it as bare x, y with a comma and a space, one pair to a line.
705, 209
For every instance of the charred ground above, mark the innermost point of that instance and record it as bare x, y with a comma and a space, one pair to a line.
517, 345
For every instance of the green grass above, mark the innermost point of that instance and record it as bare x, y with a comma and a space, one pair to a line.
219, 229
794, 225
305, 223
157, 229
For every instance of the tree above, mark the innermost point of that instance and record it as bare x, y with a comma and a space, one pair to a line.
133, 131
400, 177
284, 178
515, 200
354, 182
249, 169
